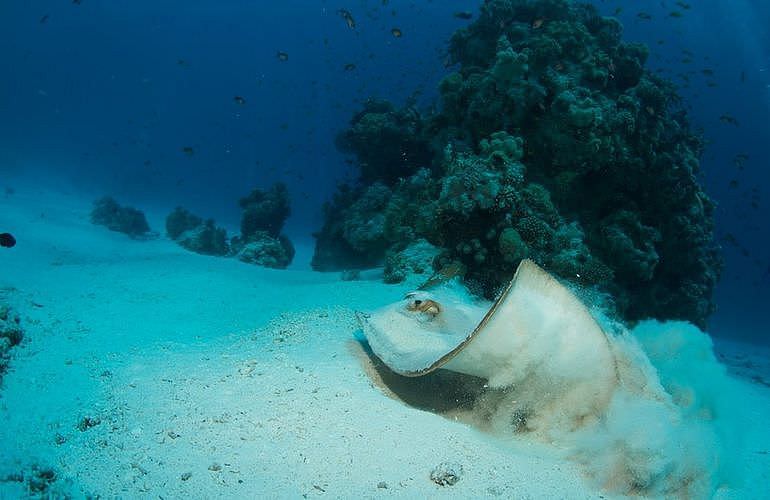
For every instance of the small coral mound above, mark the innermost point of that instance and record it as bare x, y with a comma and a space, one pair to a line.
416, 259
107, 212
446, 473
195, 234
264, 250
261, 241
179, 221
37, 482
265, 210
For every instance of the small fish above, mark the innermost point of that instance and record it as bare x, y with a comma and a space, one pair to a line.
731, 239
644, 15
77, 2
537, 23
282, 56
740, 160
675, 13
350, 67
188, 150
730, 120
707, 71
464, 14
181, 62
44, 19
617, 11
7, 240
444, 274
396, 32
685, 6
239, 100
734, 184
348, 17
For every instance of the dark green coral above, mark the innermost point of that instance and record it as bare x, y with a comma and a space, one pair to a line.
552, 142
195, 234
109, 213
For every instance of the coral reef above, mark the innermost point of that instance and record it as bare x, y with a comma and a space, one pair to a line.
334, 250
261, 241
195, 234
264, 250
107, 212
386, 141
179, 221
552, 141
265, 211
417, 258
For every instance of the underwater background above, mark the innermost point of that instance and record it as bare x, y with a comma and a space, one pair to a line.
350, 150
106, 96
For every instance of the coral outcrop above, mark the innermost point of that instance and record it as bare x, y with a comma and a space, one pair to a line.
264, 250
265, 210
195, 234
261, 241
552, 141
108, 212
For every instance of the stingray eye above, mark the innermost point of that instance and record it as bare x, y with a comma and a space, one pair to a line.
417, 302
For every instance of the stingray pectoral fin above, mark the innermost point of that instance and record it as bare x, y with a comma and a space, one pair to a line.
405, 345
536, 322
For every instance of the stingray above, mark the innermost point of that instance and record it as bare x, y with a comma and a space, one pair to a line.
537, 336
547, 369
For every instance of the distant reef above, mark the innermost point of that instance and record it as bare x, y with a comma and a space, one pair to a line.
107, 212
195, 234
553, 142
260, 241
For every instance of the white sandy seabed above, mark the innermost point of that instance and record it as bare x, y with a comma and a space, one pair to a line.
151, 372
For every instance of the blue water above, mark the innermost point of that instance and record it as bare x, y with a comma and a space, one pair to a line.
104, 95
165, 103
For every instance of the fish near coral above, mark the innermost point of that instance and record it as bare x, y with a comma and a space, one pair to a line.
348, 17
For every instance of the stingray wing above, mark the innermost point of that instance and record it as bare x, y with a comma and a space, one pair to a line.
533, 304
